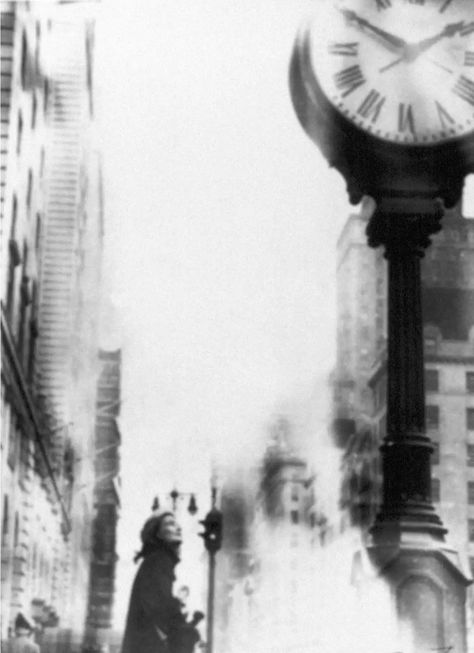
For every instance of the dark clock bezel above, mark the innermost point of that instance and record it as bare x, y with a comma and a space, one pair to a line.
357, 153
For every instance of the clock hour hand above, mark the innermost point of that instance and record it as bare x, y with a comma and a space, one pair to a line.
393, 40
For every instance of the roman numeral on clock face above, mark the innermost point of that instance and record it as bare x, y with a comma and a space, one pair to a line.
371, 106
347, 49
445, 118
406, 120
464, 88
469, 58
349, 79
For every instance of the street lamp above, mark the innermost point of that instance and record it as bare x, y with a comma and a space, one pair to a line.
391, 139
175, 496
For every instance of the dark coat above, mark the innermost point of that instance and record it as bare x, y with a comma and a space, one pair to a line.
152, 606
184, 639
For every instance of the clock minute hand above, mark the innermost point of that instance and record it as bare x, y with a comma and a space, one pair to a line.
386, 36
415, 49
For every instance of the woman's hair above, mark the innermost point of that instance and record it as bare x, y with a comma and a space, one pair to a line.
149, 531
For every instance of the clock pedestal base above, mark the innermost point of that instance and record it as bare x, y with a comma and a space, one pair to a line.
427, 591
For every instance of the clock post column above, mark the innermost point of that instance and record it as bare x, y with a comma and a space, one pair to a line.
406, 497
408, 548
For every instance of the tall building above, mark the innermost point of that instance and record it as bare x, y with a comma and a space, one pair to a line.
51, 251
106, 502
448, 322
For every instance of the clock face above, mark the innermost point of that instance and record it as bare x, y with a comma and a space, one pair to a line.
402, 70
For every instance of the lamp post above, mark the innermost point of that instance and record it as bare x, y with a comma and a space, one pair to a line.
212, 536
389, 137
175, 496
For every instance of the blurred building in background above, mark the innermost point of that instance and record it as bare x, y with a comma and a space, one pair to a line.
360, 379
235, 561
52, 237
289, 527
106, 501
272, 526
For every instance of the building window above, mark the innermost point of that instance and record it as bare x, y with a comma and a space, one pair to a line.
38, 232
13, 435
12, 263
431, 380
435, 454
42, 159
470, 527
470, 492
470, 382
295, 517
16, 531
24, 455
24, 300
33, 334
470, 455
24, 59
19, 135
29, 191
432, 417
34, 107
470, 419
37, 48
435, 490
5, 521
45, 96
295, 492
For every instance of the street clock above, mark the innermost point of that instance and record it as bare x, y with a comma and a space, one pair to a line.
386, 89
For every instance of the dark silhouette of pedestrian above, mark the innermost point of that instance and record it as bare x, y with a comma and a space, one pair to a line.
154, 614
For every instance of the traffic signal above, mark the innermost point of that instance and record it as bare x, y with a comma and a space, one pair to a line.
212, 534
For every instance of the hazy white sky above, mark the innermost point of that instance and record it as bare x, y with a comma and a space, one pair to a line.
221, 222
221, 225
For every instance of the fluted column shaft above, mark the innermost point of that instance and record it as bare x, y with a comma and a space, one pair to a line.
406, 496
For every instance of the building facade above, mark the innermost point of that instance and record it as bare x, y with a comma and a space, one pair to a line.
52, 234
106, 503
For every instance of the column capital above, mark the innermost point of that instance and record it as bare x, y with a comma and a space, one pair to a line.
404, 225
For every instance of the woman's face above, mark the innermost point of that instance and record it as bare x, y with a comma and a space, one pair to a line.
169, 530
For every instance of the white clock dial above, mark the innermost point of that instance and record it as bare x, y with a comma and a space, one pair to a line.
402, 70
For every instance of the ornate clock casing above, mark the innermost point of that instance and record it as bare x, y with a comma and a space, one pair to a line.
386, 90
